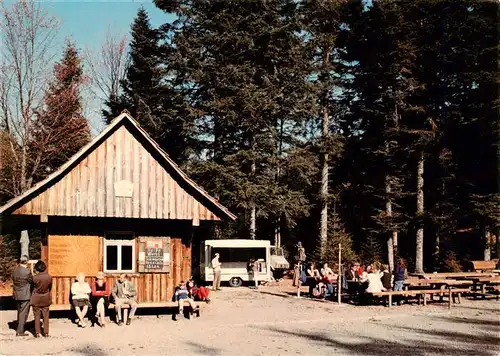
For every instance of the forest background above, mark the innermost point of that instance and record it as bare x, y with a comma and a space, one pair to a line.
373, 124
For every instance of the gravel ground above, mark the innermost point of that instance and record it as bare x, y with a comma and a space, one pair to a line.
271, 322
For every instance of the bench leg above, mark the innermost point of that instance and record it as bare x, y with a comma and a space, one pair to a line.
459, 298
125, 314
425, 299
449, 298
389, 299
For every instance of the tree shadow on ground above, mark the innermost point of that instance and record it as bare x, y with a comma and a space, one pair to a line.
486, 323
203, 349
399, 346
293, 295
90, 350
454, 336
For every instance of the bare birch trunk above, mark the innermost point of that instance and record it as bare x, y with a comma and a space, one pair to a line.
252, 222
419, 258
487, 245
324, 188
388, 211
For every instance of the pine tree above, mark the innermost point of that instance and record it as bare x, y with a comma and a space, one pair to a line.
243, 81
60, 126
148, 93
323, 24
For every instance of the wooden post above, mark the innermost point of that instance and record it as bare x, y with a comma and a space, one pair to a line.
339, 282
449, 298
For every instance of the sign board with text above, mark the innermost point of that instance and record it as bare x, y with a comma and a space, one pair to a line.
154, 255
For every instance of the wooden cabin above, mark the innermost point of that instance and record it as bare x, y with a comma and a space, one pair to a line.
120, 205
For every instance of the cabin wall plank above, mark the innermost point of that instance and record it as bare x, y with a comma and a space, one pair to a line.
88, 188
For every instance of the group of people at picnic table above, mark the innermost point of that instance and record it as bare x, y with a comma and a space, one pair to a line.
360, 281
88, 300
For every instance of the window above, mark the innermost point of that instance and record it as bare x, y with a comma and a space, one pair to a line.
119, 252
238, 254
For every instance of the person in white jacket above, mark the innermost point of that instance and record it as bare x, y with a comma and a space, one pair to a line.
216, 266
374, 282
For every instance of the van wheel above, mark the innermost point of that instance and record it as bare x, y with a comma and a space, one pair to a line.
235, 282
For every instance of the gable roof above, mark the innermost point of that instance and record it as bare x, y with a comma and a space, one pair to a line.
124, 118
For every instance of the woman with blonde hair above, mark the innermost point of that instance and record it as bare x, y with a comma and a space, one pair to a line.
100, 298
80, 292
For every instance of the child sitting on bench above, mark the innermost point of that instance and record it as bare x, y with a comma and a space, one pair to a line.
181, 295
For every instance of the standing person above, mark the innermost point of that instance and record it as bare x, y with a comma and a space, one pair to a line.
399, 277
40, 299
22, 280
216, 266
99, 298
255, 267
80, 291
124, 292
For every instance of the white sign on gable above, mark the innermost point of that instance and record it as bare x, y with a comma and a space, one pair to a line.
124, 189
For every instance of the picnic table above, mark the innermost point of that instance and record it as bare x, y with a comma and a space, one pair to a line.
483, 285
454, 275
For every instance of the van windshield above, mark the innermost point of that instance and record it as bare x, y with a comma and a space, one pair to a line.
239, 254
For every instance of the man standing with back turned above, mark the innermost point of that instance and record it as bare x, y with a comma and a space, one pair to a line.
216, 265
22, 280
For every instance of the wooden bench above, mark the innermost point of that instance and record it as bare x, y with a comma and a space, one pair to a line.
423, 293
126, 307
482, 266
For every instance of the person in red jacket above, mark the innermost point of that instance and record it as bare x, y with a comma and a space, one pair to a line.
200, 294
100, 298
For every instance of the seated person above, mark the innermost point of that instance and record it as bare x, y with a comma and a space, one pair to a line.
99, 298
124, 293
182, 295
313, 277
352, 278
329, 277
200, 294
374, 281
386, 277
80, 295
326, 271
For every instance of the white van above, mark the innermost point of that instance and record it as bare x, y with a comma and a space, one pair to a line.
234, 255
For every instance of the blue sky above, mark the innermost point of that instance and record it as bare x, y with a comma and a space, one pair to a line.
86, 23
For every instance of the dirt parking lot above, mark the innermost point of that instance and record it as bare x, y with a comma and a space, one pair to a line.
269, 322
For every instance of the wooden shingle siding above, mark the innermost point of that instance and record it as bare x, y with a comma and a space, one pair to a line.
89, 188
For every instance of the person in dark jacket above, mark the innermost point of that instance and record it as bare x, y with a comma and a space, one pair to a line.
22, 280
386, 277
399, 275
40, 299
399, 278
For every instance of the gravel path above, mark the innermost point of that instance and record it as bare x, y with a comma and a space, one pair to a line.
269, 322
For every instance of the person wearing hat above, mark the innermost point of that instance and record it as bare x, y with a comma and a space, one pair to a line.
216, 266
100, 298
22, 280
